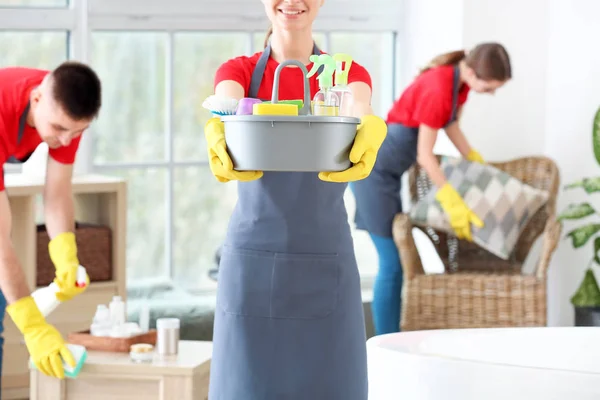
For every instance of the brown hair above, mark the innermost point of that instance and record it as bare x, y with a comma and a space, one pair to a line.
269, 33
489, 61
77, 88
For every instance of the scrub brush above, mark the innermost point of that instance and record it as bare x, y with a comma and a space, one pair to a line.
220, 105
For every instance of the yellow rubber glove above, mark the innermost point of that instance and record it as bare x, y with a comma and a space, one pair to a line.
63, 253
370, 135
218, 159
475, 156
44, 343
460, 215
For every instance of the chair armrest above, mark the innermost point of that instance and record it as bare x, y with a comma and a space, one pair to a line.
409, 256
550, 242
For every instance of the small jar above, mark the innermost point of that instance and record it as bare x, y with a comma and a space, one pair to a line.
141, 352
167, 336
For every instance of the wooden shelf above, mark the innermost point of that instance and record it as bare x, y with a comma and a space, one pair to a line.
98, 199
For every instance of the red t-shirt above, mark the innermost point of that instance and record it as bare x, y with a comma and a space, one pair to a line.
291, 80
428, 100
16, 84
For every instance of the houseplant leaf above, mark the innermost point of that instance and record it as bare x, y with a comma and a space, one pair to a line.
577, 211
588, 294
596, 249
590, 185
596, 136
581, 235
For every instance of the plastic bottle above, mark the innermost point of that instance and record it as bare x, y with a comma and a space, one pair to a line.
101, 324
325, 102
45, 298
341, 88
144, 322
117, 317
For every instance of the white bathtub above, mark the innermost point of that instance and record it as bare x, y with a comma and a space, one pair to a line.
486, 364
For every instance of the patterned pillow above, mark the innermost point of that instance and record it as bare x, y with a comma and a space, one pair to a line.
503, 203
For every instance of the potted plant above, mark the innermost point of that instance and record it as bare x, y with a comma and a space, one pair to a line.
586, 299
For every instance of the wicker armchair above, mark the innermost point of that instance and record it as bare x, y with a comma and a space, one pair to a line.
479, 289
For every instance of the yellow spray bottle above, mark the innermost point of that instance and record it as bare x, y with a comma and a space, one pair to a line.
341, 88
325, 102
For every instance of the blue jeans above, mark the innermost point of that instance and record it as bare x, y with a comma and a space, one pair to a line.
387, 290
2, 311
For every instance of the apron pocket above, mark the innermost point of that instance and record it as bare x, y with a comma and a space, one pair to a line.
277, 285
305, 286
244, 285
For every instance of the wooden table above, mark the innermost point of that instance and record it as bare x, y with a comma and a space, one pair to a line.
115, 376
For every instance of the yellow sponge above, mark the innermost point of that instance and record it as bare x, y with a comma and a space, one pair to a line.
274, 109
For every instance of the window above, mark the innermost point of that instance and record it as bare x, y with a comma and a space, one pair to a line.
34, 3
151, 132
37, 49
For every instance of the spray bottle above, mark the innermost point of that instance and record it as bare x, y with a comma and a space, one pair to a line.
341, 88
325, 102
46, 301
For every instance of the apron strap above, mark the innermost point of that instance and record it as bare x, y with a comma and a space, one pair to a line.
20, 133
261, 65
455, 86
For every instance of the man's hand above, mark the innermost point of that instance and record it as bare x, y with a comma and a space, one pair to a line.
63, 253
44, 343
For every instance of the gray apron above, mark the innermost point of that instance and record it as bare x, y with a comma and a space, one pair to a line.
378, 196
22, 122
289, 320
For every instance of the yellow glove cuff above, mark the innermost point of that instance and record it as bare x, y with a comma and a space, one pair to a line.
475, 156
63, 250
25, 313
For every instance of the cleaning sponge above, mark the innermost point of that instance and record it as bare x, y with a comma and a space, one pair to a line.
79, 354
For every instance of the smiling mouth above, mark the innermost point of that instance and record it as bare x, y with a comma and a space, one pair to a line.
291, 12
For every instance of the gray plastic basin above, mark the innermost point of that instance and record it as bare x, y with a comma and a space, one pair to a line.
304, 143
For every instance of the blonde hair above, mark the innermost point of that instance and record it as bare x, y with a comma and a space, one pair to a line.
489, 61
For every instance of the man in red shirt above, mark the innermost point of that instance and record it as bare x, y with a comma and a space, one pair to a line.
52, 107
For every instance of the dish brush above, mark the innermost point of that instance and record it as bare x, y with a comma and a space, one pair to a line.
219, 105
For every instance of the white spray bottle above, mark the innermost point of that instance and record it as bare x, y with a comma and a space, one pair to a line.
45, 299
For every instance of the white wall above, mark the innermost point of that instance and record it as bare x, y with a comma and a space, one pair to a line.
573, 79
510, 123
430, 27
546, 109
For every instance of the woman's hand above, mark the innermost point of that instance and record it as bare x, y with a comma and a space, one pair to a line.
369, 136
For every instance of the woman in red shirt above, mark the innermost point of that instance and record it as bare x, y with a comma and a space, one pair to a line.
433, 101
289, 322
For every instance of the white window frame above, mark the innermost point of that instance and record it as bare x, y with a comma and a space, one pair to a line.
82, 17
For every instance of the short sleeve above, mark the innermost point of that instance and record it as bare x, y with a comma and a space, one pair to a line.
431, 109
3, 153
66, 154
358, 73
237, 69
